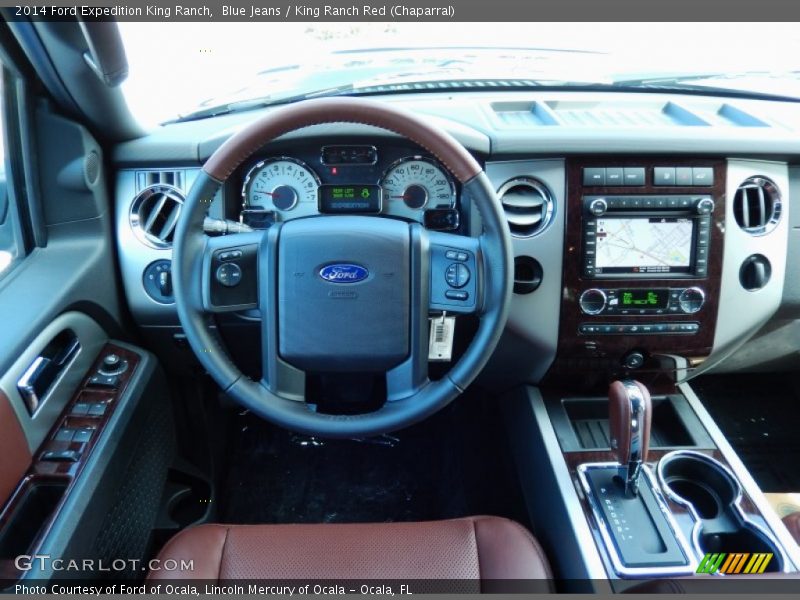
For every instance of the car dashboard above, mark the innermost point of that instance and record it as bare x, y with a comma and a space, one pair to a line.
641, 223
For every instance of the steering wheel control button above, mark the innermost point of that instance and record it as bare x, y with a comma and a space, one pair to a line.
229, 274
456, 255
592, 301
459, 295
227, 255
457, 275
691, 300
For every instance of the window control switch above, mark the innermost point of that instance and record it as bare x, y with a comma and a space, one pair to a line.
64, 434
97, 409
62, 455
81, 409
82, 435
98, 380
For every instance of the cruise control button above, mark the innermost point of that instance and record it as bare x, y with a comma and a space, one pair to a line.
229, 274
457, 275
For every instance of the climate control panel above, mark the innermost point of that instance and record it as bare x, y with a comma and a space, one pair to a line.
641, 301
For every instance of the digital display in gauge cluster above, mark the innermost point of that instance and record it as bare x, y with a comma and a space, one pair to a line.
350, 178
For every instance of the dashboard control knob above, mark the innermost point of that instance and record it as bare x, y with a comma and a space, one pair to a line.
691, 299
592, 301
705, 206
111, 360
112, 365
633, 359
598, 207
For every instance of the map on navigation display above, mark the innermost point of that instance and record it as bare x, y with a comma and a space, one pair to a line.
637, 242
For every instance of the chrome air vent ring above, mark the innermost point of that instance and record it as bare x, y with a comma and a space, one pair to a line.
528, 205
154, 215
757, 206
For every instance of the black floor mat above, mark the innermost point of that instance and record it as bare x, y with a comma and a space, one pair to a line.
454, 464
760, 416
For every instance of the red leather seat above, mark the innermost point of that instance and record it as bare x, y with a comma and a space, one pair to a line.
474, 548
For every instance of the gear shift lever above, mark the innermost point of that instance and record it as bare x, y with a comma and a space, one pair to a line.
630, 412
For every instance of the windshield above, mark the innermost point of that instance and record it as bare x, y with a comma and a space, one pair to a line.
177, 69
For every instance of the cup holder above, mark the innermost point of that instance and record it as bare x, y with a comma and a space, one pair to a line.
699, 481
702, 483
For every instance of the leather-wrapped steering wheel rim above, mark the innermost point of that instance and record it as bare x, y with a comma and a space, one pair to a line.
190, 247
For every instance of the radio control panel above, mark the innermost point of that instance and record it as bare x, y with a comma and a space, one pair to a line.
642, 301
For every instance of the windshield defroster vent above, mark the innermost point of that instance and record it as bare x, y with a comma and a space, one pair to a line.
528, 205
757, 206
154, 214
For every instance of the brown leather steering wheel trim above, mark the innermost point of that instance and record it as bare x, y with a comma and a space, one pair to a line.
321, 111
191, 244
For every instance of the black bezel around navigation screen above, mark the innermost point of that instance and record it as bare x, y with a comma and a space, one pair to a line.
639, 216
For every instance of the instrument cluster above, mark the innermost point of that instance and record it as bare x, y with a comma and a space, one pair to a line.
393, 181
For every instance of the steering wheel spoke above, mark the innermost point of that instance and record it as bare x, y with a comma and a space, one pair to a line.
230, 272
456, 273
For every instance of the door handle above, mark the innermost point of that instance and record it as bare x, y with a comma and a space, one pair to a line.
41, 375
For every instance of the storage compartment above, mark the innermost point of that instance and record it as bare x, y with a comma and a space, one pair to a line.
702, 483
589, 421
31, 511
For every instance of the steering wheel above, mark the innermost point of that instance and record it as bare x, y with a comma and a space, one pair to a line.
342, 294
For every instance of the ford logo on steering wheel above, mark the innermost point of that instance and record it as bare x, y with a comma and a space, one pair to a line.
343, 273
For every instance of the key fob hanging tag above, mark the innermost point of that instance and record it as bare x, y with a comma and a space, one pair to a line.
440, 345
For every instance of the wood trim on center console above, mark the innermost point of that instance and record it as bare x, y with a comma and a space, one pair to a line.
597, 357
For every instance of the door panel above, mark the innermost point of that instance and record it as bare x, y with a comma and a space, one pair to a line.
14, 450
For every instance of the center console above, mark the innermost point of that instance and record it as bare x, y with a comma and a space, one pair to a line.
647, 487
648, 237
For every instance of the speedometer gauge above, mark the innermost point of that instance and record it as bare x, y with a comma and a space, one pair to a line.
414, 184
281, 185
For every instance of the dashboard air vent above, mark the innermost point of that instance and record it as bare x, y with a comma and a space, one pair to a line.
174, 177
154, 214
528, 205
757, 206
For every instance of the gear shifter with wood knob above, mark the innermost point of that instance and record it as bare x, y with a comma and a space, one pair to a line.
630, 413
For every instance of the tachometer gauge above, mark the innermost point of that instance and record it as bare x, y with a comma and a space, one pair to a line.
414, 184
283, 185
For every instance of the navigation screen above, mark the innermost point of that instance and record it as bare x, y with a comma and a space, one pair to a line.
644, 245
